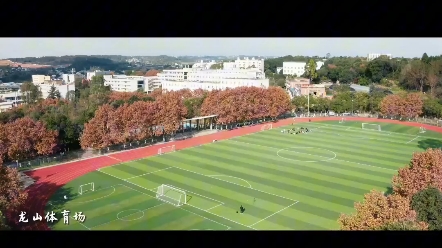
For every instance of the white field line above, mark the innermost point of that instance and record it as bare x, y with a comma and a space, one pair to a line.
187, 148
114, 158
357, 129
273, 214
126, 216
214, 207
88, 228
270, 147
149, 173
412, 139
181, 208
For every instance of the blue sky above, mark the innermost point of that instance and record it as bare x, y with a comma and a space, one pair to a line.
398, 47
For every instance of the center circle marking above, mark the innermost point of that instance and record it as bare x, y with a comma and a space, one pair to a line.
311, 161
135, 211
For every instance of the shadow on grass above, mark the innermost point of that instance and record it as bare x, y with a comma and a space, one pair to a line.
57, 203
429, 143
389, 191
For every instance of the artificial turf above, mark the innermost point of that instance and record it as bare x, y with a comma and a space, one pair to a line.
284, 181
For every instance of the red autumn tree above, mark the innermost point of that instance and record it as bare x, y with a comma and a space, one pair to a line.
412, 105
125, 96
425, 170
27, 138
12, 195
280, 101
96, 131
156, 93
170, 111
3, 142
139, 126
391, 105
117, 124
377, 211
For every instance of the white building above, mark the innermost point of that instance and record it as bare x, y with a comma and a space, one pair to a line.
59, 85
151, 83
90, 74
70, 78
297, 68
123, 83
204, 65
245, 63
38, 79
372, 56
278, 69
174, 80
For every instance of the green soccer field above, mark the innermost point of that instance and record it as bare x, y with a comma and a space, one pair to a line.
284, 181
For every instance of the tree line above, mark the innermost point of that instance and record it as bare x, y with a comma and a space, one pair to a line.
415, 202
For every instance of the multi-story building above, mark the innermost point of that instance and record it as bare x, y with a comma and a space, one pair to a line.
123, 83
151, 83
59, 85
372, 56
245, 63
297, 68
38, 79
70, 78
302, 87
90, 74
196, 78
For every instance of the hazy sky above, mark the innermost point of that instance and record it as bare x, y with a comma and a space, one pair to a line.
398, 47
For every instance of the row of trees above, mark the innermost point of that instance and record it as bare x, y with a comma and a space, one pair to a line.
404, 106
141, 120
415, 203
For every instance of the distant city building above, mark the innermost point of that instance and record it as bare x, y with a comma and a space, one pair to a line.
90, 74
38, 79
201, 78
59, 85
151, 83
302, 87
204, 65
123, 83
372, 56
297, 68
245, 63
70, 78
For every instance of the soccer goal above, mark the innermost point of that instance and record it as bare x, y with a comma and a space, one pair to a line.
370, 126
85, 188
342, 120
166, 149
422, 130
171, 195
266, 127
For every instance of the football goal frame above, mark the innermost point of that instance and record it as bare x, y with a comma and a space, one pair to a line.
266, 127
172, 195
422, 130
376, 127
86, 188
166, 149
342, 120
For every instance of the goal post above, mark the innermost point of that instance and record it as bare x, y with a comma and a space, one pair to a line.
422, 130
85, 188
266, 127
171, 195
370, 126
166, 149
342, 120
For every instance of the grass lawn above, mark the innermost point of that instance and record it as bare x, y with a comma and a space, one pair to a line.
284, 182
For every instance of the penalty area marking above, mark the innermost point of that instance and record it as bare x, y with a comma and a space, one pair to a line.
95, 199
250, 186
412, 140
137, 211
312, 161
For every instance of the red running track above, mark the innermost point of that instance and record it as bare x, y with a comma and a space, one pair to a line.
50, 179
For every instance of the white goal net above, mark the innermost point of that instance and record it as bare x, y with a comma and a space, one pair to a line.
370, 126
171, 195
422, 130
342, 120
266, 127
85, 188
166, 149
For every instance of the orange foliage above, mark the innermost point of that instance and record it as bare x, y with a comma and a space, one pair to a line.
170, 111
425, 170
378, 210
407, 106
11, 194
27, 138
125, 96
96, 131
151, 73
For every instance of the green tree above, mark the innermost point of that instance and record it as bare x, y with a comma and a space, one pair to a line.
310, 70
428, 206
3, 225
401, 226
425, 58
216, 66
54, 93
30, 92
281, 83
